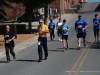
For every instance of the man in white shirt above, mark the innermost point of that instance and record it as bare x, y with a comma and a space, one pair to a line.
58, 27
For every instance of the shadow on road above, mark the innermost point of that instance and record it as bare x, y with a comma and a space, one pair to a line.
95, 46
86, 12
55, 50
97, 8
69, 48
3, 61
27, 60
52, 40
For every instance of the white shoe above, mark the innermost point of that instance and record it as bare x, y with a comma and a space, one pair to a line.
54, 39
60, 39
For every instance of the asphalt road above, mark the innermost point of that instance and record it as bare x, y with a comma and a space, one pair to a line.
71, 62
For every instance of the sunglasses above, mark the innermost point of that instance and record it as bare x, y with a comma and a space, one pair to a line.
40, 22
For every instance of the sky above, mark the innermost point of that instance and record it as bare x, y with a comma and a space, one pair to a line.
93, 0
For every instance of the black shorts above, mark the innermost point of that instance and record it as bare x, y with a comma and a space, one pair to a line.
96, 31
64, 37
81, 35
59, 32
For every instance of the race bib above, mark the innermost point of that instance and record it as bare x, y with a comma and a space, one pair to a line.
39, 42
51, 26
79, 26
7, 41
95, 24
64, 28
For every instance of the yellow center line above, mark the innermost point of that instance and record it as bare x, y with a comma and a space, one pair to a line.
80, 57
83, 60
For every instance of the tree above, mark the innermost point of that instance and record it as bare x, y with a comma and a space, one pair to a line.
2, 13
4, 3
30, 5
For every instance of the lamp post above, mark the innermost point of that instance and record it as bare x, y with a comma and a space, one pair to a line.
73, 7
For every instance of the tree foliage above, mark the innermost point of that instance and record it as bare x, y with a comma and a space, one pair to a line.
29, 5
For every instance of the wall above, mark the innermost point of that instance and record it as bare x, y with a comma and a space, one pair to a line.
66, 4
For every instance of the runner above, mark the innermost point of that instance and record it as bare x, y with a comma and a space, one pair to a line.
80, 27
42, 40
65, 29
52, 29
58, 27
9, 43
96, 27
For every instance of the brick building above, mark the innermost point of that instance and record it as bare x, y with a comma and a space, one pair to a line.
66, 4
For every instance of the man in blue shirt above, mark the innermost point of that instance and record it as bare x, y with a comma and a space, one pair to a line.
51, 29
96, 26
80, 27
65, 29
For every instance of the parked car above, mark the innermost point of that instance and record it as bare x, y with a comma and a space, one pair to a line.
36, 16
24, 18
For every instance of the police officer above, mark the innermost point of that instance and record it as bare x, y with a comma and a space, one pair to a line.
42, 40
52, 29
9, 43
80, 27
96, 26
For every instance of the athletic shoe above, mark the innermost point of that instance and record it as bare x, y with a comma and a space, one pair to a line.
84, 45
14, 57
60, 39
95, 41
78, 47
8, 61
45, 58
67, 47
54, 39
39, 60
63, 49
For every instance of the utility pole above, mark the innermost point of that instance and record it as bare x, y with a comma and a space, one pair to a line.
73, 6
60, 8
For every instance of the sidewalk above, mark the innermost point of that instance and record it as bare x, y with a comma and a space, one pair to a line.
24, 40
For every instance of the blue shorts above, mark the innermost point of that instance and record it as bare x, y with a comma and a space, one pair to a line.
81, 35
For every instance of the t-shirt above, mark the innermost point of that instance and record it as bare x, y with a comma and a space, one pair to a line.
79, 25
8, 36
64, 27
95, 23
51, 26
44, 28
59, 25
